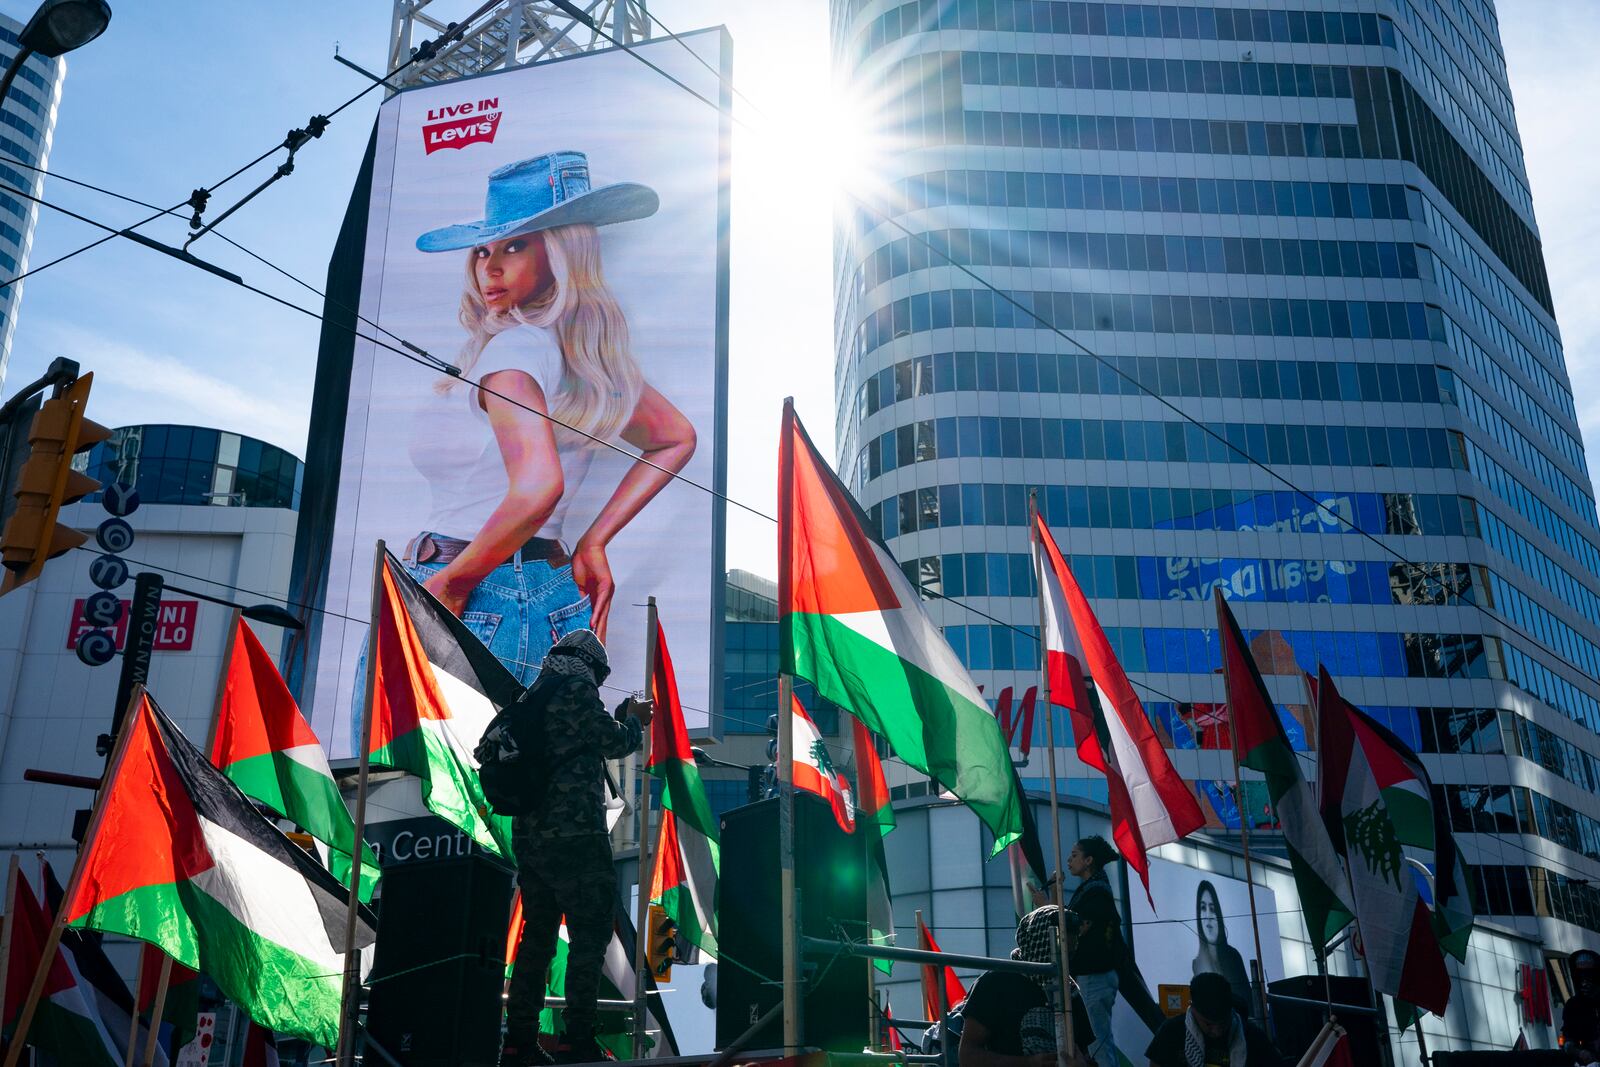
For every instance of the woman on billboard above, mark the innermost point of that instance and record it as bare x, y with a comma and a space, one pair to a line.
548, 346
1214, 952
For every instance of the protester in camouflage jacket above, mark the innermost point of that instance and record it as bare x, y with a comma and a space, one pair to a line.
564, 863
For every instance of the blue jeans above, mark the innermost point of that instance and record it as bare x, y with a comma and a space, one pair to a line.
1099, 992
518, 611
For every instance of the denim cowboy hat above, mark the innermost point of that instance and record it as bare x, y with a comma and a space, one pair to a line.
540, 194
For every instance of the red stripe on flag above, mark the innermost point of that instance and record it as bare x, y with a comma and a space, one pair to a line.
149, 832
954, 991
669, 736
406, 692
258, 714
826, 564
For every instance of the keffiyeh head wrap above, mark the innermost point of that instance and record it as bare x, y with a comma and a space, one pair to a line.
579, 652
1036, 939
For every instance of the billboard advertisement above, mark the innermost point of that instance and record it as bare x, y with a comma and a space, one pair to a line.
548, 246
1200, 922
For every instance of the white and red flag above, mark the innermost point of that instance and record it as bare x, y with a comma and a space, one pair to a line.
814, 770
1150, 803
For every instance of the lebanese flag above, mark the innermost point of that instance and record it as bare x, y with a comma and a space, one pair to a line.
954, 991
688, 851
875, 817
437, 688
814, 771
1374, 806
852, 625
179, 857
1150, 804
266, 748
1262, 745
67, 1023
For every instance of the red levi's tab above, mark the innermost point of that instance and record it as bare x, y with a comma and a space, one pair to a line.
458, 133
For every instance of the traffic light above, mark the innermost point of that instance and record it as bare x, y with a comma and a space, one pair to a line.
46, 482
661, 944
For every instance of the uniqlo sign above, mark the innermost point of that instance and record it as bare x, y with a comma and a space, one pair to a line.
174, 626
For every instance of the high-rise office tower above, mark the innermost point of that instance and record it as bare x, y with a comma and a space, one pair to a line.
27, 124
1306, 352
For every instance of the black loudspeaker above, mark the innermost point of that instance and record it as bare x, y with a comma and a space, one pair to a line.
830, 882
1296, 1023
440, 963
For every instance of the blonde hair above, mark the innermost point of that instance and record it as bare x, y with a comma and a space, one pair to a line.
600, 379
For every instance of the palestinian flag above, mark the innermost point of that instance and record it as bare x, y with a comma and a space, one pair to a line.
852, 625
1261, 744
266, 748
875, 817
1150, 804
182, 1008
1377, 808
954, 991
437, 688
66, 1024
616, 975
814, 771
179, 857
260, 1048
102, 983
688, 851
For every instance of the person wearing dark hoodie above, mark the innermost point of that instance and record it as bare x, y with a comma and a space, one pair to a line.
564, 865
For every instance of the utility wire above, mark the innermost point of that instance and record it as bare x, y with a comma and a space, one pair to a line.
418, 355
1102, 360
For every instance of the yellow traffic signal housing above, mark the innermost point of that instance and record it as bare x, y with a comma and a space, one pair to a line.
47, 482
661, 943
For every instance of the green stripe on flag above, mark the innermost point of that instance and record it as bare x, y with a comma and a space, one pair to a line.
311, 801
277, 988
929, 724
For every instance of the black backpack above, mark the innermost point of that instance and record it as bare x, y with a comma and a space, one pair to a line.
513, 759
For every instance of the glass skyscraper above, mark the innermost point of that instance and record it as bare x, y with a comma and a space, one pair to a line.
27, 124
1306, 353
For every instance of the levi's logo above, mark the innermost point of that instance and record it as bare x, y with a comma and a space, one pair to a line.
458, 125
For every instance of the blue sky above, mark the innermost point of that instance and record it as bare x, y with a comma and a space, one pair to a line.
177, 94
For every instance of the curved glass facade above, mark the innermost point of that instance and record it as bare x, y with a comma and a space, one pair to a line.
198, 466
1296, 245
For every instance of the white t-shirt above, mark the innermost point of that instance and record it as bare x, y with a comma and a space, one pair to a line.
454, 446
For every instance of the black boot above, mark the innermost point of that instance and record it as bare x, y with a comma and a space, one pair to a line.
524, 1052
583, 1048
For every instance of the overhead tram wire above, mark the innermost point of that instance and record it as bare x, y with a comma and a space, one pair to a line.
420, 356
1110, 364
426, 51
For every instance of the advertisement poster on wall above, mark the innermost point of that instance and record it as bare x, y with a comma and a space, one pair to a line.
553, 238
1200, 922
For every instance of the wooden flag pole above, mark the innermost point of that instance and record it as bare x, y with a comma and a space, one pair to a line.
8, 921
133, 1021
351, 1005
157, 1008
58, 923
789, 908
1260, 987
641, 962
1066, 1047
